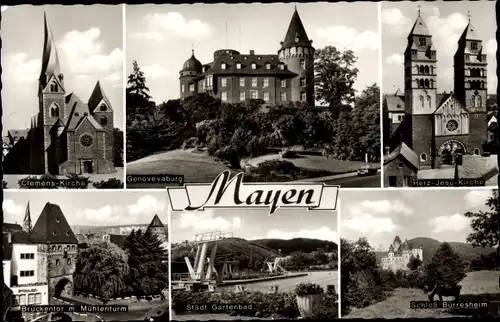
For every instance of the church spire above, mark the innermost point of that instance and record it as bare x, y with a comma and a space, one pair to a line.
419, 27
296, 34
50, 59
27, 219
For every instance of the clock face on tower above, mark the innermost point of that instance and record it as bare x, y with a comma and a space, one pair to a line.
451, 125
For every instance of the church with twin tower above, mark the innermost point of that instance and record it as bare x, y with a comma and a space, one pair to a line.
443, 123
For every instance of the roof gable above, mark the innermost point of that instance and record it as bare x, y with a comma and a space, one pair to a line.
156, 222
403, 151
53, 78
97, 97
450, 106
395, 103
92, 122
52, 226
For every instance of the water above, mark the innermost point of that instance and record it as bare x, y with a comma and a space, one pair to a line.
322, 278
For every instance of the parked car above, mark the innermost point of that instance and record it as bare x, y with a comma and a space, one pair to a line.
367, 170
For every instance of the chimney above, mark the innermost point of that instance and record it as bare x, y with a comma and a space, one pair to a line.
9, 237
252, 52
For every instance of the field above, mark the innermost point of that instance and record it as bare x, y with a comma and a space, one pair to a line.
481, 286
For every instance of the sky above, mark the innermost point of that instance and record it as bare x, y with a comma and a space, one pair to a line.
101, 208
254, 224
160, 37
381, 215
446, 22
90, 47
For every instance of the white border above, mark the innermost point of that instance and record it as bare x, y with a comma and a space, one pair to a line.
339, 259
124, 91
381, 102
169, 239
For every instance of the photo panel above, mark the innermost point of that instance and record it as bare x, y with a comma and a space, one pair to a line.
85, 256
419, 253
71, 136
238, 264
439, 94
280, 92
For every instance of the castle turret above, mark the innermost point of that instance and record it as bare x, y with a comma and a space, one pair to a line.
190, 70
297, 53
156, 227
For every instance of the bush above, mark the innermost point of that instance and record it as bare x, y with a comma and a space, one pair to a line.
328, 310
112, 183
190, 143
303, 289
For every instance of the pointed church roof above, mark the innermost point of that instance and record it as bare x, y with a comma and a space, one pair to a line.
296, 30
156, 222
469, 33
419, 28
50, 59
398, 93
77, 110
98, 95
52, 227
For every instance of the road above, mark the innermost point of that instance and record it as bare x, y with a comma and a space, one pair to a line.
357, 181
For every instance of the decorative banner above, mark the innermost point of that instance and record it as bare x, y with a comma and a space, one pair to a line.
233, 193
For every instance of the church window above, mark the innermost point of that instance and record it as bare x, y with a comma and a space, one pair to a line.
421, 69
421, 101
399, 117
69, 261
59, 248
473, 101
421, 83
416, 66
302, 64
432, 83
58, 262
238, 65
478, 101
53, 248
429, 101
482, 85
476, 151
242, 81
414, 52
426, 83
77, 114
268, 66
223, 82
223, 66
254, 66
86, 140
422, 41
423, 157
102, 108
452, 125
427, 69
418, 83
467, 57
85, 114
104, 120
473, 45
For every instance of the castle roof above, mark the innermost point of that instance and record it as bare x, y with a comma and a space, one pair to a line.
97, 96
156, 222
296, 34
50, 58
52, 227
192, 64
419, 28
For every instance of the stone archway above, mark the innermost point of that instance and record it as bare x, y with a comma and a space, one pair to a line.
62, 286
451, 147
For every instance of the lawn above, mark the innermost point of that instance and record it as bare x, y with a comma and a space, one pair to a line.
481, 286
13, 179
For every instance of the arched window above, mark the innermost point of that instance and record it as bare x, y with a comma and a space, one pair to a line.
473, 101
423, 157
417, 68
422, 69
429, 101
432, 83
421, 83
427, 69
103, 108
432, 70
476, 151
104, 120
479, 101
422, 101
54, 110
418, 83
57, 111
426, 83
482, 84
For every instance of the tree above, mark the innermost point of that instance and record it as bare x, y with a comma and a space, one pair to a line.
414, 263
148, 269
118, 147
446, 269
486, 225
102, 270
138, 100
335, 77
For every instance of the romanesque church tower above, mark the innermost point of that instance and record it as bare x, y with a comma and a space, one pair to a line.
420, 72
470, 65
297, 53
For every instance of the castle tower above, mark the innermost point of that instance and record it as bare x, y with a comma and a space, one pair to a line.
470, 65
101, 109
156, 227
297, 53
57, 249
420, 91
190, 70
51, 95
396, 244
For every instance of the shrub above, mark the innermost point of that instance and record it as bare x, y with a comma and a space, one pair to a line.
112, 183
303, 289
328, 309
190, 143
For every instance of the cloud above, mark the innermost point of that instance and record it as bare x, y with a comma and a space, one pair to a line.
395, 18
173, 23
477, 198
206, 221
396, 60
380, 207
17, 68
324, 233
453, 223
367, 223
491, 47
12, 211
83, 53
145, 207
349, 38
155, 71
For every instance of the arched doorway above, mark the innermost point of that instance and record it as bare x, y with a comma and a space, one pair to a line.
61, 286
448, 149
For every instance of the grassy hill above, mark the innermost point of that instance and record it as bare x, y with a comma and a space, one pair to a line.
288, 246
466, 251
